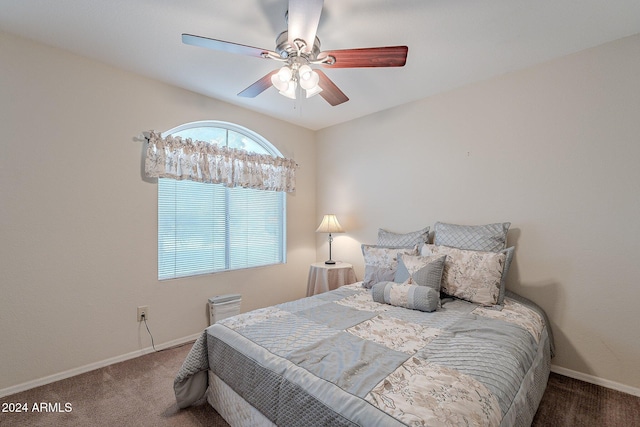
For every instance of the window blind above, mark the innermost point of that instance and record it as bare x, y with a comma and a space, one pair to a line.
205, 228
255, 227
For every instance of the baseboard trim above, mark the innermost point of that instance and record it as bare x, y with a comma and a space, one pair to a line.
595, 380
92, 366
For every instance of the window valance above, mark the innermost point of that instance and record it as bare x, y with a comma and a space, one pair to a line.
178, 158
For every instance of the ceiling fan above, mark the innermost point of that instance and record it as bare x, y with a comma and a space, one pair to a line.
298, 48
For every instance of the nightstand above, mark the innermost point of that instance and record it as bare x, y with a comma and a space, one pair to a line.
326, 277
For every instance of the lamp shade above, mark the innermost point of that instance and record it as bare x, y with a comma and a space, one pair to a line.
313, 91
282, 79
330, 224
290, 92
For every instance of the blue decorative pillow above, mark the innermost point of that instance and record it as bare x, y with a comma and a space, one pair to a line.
415, 297
388, 238
420, 270
489, 237
507, 264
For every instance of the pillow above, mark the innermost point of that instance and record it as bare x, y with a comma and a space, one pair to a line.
507, 264
420, 270
381, 262
388, 238
490, 237
503, 280
414, 297
471, 275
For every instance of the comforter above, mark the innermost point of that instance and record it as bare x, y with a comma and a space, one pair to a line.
339, 358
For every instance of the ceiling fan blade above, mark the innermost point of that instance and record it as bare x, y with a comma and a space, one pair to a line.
330, 92
224, 46
258, 87
303, 18
390, 56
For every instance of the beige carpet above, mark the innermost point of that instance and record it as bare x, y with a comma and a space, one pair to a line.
139, 392
569, 402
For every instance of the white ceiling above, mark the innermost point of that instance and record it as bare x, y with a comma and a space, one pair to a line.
451, 43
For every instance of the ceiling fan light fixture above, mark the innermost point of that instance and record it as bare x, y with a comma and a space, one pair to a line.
290, 91
279, 84
282, 79
313, 91
305, 72
309, 80
285, 73
287, 78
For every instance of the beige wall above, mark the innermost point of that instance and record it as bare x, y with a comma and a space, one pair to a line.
555, 150
78, 224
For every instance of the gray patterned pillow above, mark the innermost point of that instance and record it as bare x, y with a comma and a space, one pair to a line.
503, 279
420, 270
414, 297
388, 238
489, 237
381, 262
471, 275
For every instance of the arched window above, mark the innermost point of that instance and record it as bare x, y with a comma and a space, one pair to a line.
206, 228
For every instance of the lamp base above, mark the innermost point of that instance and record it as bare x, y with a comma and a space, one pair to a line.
330, 262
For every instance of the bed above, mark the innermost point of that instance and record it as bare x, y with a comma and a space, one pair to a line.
381, 352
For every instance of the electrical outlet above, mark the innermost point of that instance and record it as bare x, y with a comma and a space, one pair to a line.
143, 310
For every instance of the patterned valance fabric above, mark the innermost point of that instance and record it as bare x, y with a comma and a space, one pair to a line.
177, 158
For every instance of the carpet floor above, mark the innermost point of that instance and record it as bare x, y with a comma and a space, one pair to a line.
570, 402
139, 392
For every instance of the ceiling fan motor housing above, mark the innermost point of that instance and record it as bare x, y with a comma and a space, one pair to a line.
286, 49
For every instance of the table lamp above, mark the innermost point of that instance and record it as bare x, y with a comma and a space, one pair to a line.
330, 225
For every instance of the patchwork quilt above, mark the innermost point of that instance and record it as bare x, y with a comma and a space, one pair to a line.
339, 358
